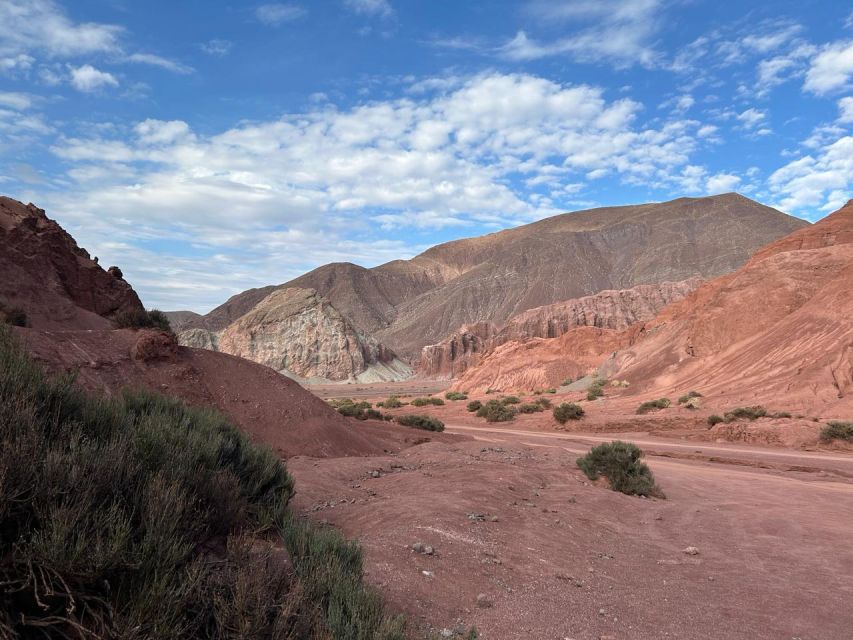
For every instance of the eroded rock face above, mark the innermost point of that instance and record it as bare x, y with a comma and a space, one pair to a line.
153, 345
605, 310
57, 283
299, 332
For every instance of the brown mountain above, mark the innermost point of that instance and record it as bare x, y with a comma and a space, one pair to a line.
55, 282
408, 304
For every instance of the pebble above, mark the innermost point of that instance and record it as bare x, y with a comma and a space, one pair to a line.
483, 601
375, 474
691, 551
428, 574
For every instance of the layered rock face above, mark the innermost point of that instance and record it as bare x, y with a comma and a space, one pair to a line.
53, 280
298, 332
408, 304
605, 310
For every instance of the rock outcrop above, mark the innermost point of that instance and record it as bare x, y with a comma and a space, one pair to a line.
408, 304
299, 333
55, 282
605, 310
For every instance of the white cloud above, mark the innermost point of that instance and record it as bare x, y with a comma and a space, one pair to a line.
845, 109
818, 182
217, 47
370, 7
721, 183
87, 78
831, 69
277, 13
15, 100
159, 61
752, 119
620, 32
30, 25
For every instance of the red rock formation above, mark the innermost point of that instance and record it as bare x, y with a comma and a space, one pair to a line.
56, 282
453, 355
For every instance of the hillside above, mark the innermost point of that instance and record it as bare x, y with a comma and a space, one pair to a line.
409, 304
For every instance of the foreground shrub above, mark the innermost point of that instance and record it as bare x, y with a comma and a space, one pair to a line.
652, 405
689, 396
745, 413
427, 423
141, 319
474, 405
456, 395
13, 315
423, 402
531, 407
837, 431
391, 403
496, 411
620, 463
568, 411
596, 389
715, 419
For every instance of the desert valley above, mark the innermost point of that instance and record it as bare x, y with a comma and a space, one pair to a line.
396, 320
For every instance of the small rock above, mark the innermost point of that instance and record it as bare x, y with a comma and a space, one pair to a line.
601, 612
691, 551
483, 601
428, 574
446, 633
493, 518
428, 550
375, 474
418, 547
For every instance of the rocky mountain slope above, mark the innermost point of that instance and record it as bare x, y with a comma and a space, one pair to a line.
408, 304
777, 330
606, 309
55, 282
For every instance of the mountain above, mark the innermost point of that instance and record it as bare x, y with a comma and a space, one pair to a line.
777, 331
408, 304
56, 283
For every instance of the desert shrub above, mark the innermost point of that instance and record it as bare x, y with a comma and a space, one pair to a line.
745, 413
474, 405
568, 411
566, 382
836, 430
136, 516
596, 389
651, 405
455, 395
530, 407
489, 391
13, 315
423, 402
544, 402
391, 403
496, 411
352, 409
781, 414
552, 390
427, 423
510, 400
620, 463
715, 419
141, 319
688, 396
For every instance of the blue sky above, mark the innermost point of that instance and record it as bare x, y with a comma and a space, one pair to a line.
207, 147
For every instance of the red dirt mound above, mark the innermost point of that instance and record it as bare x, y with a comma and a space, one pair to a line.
56, 282
268, 406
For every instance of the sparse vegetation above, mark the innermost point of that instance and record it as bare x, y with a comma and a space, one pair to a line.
391, 403
530, 407
568, 411
423, 402
689, 396
359, 410
781, 414
474, 405
427, 423
551, 390
135, 516
456, 395
510, 400
13, 315
715, 419
141, 319
496, 411
596, 389
566, 382
745, 413
544, 402
652, 405
489, 391
620, 463
836, 430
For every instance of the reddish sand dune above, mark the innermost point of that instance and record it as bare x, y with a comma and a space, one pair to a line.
268, 406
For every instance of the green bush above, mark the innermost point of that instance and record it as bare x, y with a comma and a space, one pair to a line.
715, 419
391, 403
13, 315
836, 430
510, 400
532, 407
427, 423
135, 516
552, 390
423, 402
496, 411
596, 389
620, 463
474, 405
141, 319
745, 413
544, 402
568, 411
688, 396
566, 382
651, 405
456, 395
781, 414
359, 410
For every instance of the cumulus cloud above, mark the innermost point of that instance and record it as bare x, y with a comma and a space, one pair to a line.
819, 182
87, 78
276, 14
15, 100
845, 110
721, 183
831, 69
380, 8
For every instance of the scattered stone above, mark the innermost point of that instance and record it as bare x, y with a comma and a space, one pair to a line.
446, 633
428, 574
601, 612
691, 551
428, 550
483, 601
418, 547
479, 517
493, 518
375, 474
